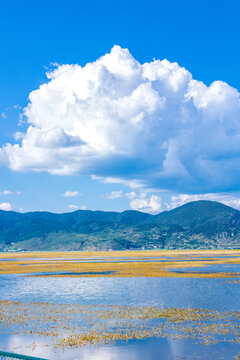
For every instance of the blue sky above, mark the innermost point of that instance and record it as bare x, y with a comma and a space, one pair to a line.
148, 137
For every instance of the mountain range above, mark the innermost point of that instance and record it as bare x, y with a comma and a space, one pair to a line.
199, 224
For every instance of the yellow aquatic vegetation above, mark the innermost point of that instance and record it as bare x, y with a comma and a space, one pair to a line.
73, 325
119, 264
125, 253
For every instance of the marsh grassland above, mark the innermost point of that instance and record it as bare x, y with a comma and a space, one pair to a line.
118, 263
66, 302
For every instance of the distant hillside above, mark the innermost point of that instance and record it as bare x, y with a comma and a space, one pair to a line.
199, 224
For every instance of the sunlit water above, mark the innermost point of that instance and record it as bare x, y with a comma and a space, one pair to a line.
211, 293
214, 294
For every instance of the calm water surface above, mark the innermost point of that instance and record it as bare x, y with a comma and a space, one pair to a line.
214, 268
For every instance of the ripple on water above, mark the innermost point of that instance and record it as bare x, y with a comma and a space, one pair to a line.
140, 291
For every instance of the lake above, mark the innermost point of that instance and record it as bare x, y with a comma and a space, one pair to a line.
128, 295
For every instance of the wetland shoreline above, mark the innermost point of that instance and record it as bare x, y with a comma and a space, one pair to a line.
120, 298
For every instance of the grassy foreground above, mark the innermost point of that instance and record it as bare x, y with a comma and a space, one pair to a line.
73, 325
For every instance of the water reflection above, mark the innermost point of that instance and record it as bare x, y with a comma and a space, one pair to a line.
147, 349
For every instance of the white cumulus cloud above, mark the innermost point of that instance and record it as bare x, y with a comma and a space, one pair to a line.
232, 200
131, 195
70, 193
9, 192
6, 206
121, 120
83, 207
115, 194
153, 204
73, 207
6, 192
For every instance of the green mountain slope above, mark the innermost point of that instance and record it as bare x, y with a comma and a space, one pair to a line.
199, 224
207, 217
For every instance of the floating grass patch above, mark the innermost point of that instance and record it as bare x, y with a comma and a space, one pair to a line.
73, 325
118, 269
131, 264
